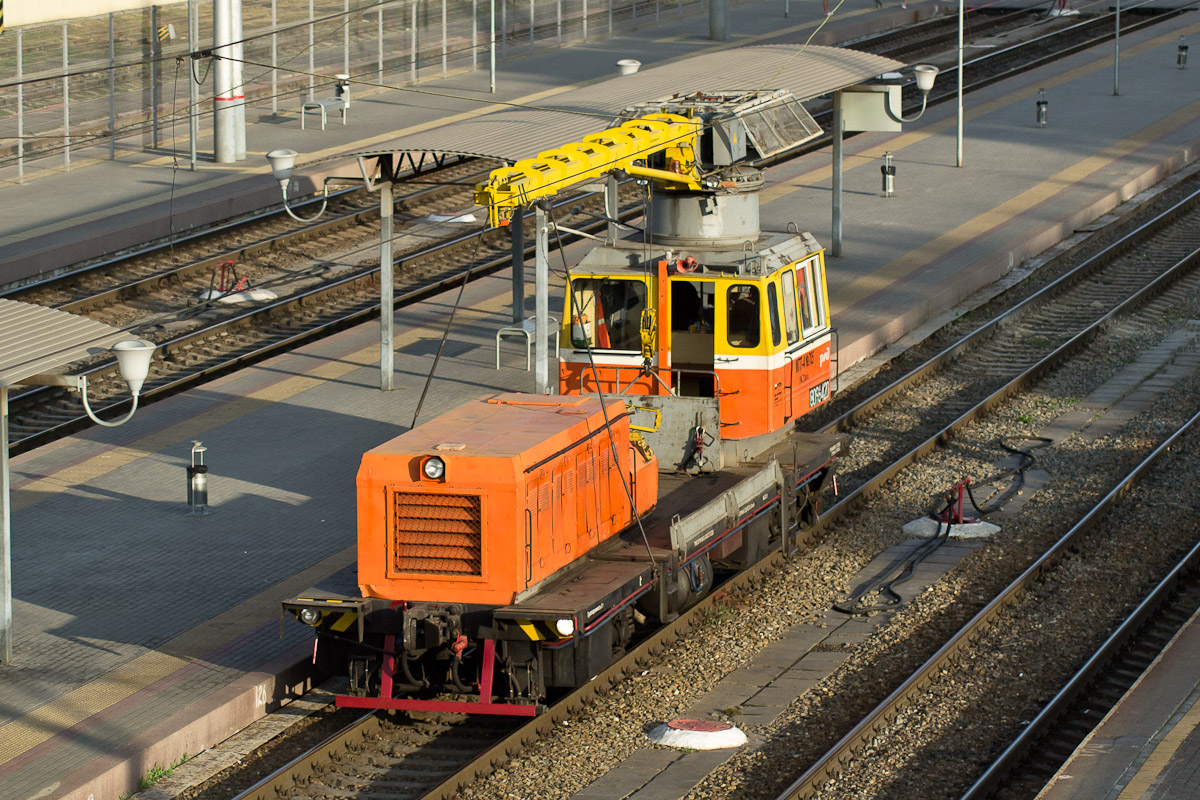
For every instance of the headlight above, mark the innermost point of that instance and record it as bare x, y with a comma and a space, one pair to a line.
435, 468
310, 616
565, 627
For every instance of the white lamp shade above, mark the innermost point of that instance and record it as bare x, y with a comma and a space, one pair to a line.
925, 74
282, 162
133, 360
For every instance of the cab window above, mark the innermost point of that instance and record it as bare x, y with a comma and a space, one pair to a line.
812, 299
742, 323
789, 306
773, 312
606, 313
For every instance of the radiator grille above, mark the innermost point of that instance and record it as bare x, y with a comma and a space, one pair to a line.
438, 534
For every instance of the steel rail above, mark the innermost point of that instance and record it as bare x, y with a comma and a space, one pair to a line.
501, 752
223, 228
365, 309
33, 440
882, 715
828, 765
1046, 294
509, 746
999, 770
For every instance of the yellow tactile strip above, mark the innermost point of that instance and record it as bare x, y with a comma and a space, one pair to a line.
62, 713
1161, 756
70, 709
901, 267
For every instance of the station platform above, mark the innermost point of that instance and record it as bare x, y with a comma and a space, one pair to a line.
142, 633
1148, 745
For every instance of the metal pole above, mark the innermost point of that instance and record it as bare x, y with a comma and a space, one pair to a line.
346, 37
585, 20
312, 81
386, 281
224, 122
154, 76
274, 58
492, 49
380, 40
20, 109
444, 43
610, 17
531, 24
718, 20
558, 21
611, 199
193, 90
1117, 53
6, 635
503, 29
412, 69
474, 35
958, 158
239, 81
112, 87
66, 58
516, 229
835, 248
541, 302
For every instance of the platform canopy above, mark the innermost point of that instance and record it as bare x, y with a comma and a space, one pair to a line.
35, 339
516, 133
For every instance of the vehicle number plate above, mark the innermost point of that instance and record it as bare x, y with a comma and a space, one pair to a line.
818, 394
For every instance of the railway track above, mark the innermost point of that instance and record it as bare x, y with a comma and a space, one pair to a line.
1161, 286
1032, 759
1008, 610
201, 338
1016, 347
499, 753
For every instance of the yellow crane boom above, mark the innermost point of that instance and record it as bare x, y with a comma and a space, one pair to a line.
618, 148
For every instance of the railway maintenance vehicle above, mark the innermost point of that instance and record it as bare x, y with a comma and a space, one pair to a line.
514, 547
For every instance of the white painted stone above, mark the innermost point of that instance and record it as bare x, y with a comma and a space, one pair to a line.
927, 528
248, 296
462, 218
692, 734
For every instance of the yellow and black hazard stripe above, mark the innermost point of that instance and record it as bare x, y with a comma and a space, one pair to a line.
540, 630
331, 618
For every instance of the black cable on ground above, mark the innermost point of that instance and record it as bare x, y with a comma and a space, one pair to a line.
885, 586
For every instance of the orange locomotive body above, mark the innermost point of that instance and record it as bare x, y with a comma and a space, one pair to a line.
524, 486
505, 551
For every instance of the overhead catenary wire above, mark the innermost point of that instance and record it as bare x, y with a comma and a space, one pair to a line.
446, 331
603, 406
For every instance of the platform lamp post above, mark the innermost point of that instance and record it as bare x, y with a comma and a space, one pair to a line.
133, 363
868, 107
282, 163
958, 152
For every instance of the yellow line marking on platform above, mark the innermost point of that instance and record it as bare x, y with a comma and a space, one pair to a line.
76, 706
1161, 755
70, 709
913, 260
904, 140
103, 463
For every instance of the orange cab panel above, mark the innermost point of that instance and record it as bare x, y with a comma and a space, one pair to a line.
491, 498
